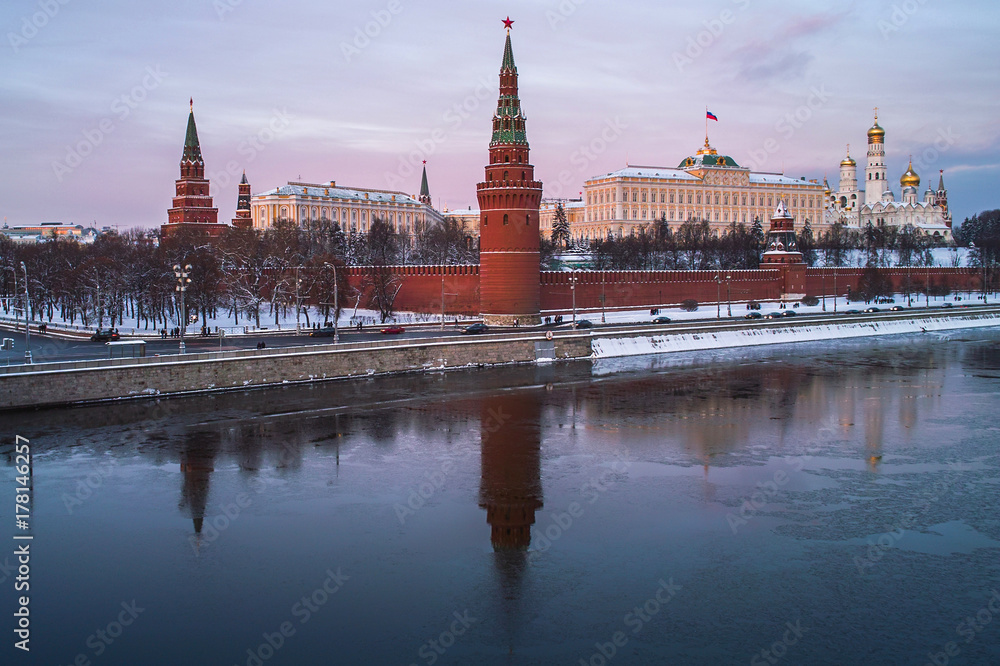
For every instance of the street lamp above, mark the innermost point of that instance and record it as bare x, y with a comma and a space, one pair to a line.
729, 298
336, 290
298, 304
718, 295
572, 289
27, 323
182, 285
823, 273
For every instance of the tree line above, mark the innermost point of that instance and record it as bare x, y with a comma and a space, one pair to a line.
247, 274
694, 245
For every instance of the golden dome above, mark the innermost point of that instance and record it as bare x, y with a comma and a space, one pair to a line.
876, 134
910, 178
848, 162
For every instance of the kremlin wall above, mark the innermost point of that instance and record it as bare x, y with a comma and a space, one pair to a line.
508, 288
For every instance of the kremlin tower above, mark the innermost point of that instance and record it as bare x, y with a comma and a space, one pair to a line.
782, 253
243, 219
509, 200
192, 206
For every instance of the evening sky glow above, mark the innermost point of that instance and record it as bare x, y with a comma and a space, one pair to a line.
296, 90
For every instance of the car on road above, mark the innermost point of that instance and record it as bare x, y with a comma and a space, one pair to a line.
392, 330
753, 315
872, 309
475, 329
773, 315
105, 335
325, 332
789, 313
583, 323
896, 308
662, 320
947, 305
850, 312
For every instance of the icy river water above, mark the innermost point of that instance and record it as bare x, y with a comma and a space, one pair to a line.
821, 503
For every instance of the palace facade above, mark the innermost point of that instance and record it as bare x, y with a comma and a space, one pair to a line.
354, 208
706, 186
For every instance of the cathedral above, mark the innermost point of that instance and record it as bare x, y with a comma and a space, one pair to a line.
877, 203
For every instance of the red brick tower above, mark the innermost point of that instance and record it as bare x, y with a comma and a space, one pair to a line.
509, 199
783, 253
192, 207
243, 219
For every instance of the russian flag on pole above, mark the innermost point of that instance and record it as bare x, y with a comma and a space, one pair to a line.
711, 116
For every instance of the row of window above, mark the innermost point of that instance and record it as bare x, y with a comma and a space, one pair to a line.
339, 215
644, 196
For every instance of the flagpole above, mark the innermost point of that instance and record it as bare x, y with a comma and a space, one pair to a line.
706, 125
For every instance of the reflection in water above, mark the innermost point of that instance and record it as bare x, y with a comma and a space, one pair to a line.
326, 464
197, 459
511, 491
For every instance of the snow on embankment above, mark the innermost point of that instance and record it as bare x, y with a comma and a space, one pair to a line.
764, 335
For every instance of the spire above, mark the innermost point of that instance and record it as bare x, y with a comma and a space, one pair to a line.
508, 56
508, 121
243, 181
941, 181
192, 147
425, 192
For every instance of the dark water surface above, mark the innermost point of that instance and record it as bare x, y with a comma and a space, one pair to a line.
831, 503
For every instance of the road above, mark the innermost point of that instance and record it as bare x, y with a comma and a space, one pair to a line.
45, 348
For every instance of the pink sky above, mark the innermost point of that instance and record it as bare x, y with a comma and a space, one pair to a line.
299, 90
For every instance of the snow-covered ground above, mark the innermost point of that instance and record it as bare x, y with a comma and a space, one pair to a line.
751, 336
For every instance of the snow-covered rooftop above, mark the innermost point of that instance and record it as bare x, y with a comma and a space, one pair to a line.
331, 191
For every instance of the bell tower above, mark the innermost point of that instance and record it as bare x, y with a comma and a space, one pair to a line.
509, 200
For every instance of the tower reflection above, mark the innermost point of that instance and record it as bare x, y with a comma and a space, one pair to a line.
197, 465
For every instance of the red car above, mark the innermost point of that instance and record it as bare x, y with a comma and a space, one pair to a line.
392, 330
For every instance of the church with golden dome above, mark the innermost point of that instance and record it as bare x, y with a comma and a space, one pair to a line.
877, 203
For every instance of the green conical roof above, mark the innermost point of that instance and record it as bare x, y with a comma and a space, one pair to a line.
508, 57
192, 148
424, 190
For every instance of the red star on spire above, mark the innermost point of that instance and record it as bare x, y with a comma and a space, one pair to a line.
507, 23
